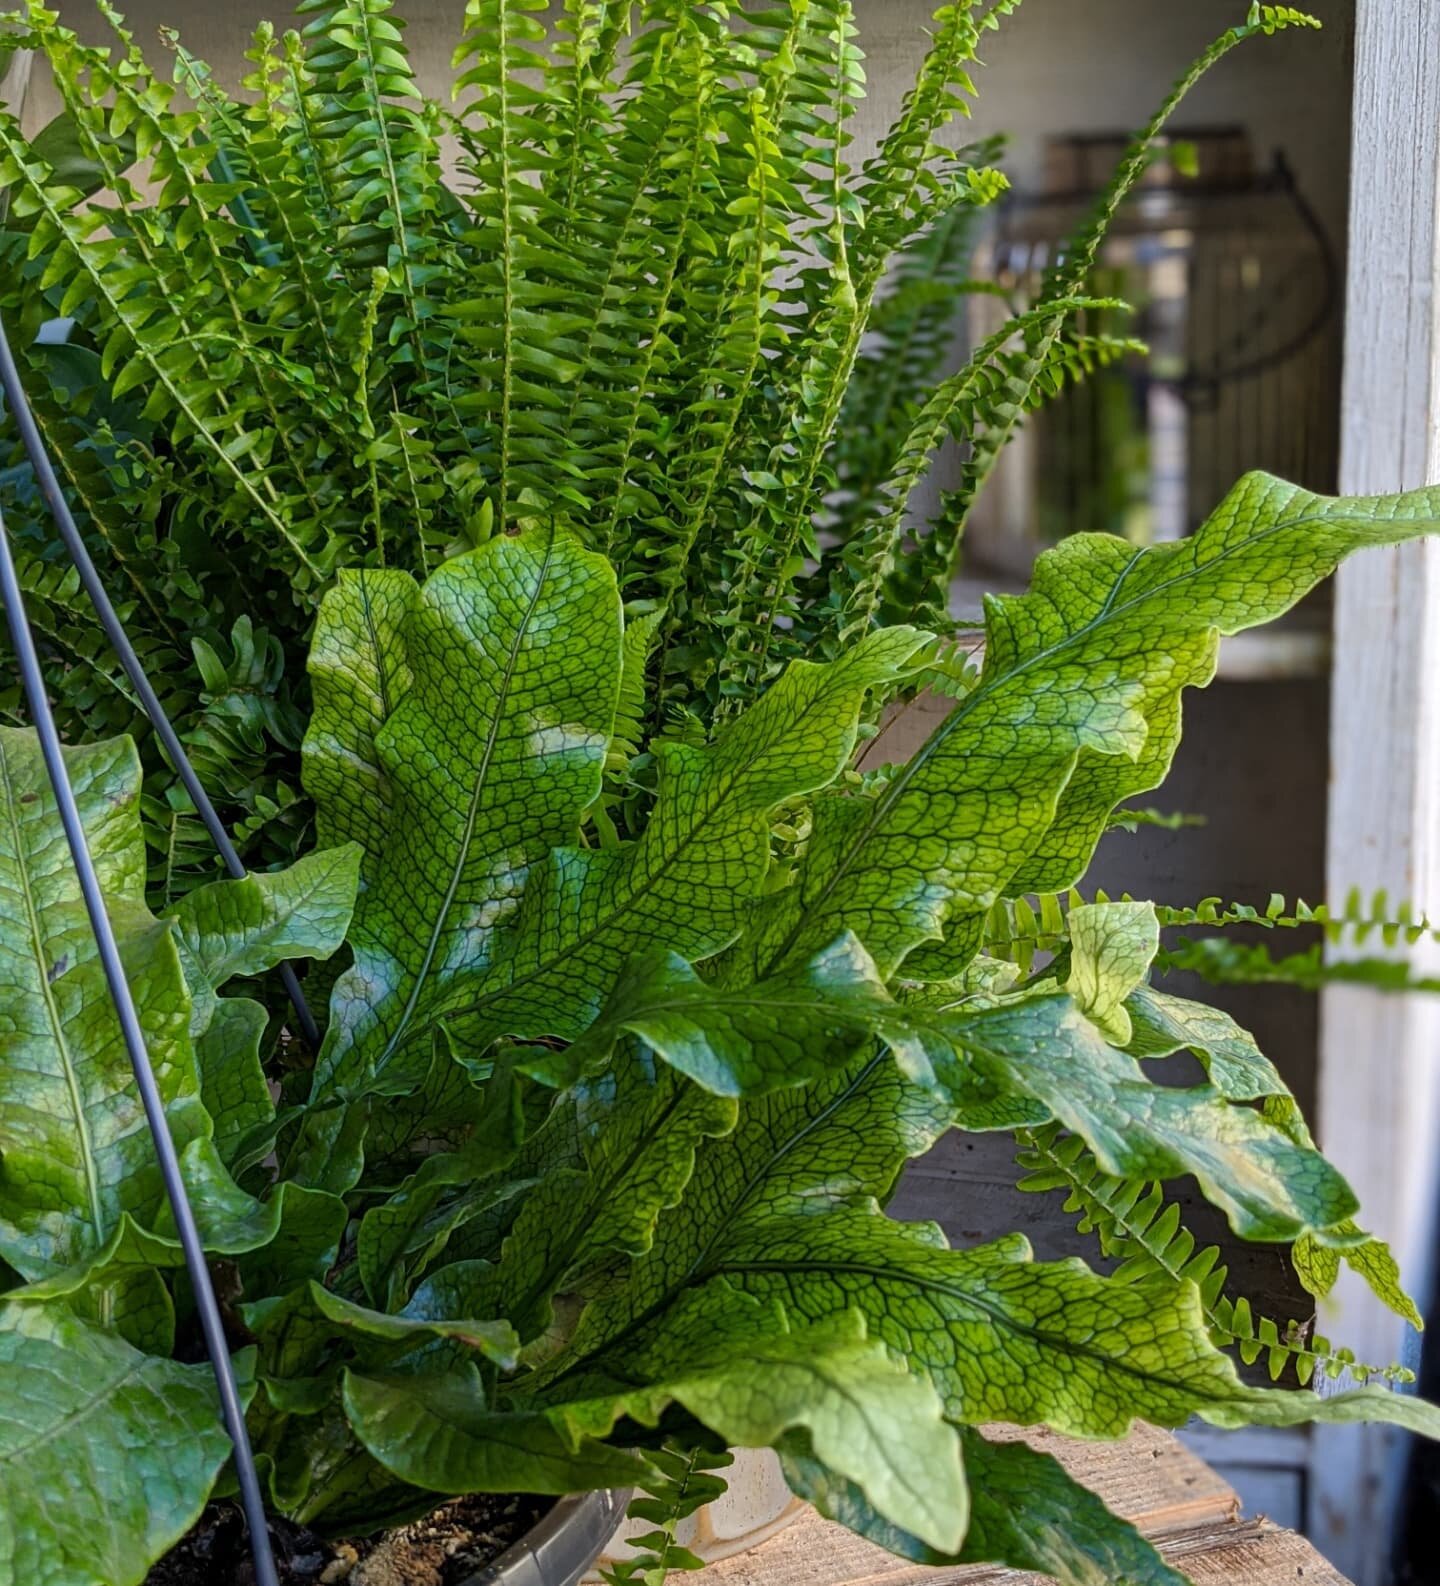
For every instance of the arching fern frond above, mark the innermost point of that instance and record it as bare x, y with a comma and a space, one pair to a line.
910, 335
1227, 963
1136, 1226
904, 186
1067, 280
1358, 920
520, 340
1030, 926
982, 385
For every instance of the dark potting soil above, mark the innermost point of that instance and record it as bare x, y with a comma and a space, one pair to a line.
443, 1549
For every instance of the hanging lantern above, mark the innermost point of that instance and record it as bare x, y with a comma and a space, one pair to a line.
1235, 289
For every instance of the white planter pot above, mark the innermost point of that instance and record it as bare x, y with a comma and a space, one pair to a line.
756, 1505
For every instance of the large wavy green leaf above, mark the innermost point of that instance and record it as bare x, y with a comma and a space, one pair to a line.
120, 1288
639, 1128
439, 1433
106, 1455
687, 882
399, 1238
424, 941
359, 672
75, 1152
484, 763
746, 1040
76, 1160
245, 927
742, 1369
1045, 1049
1112, 946
1270, 1185
232, 1078
1006, 1338
1078, 707
840, 1141
735, 1366
1071, 1342
295, 1330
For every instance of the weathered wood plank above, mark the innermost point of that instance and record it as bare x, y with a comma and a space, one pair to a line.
1175, 1498
814, 1553
1250, 1553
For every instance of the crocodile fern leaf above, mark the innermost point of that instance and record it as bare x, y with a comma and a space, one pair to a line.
606, 1155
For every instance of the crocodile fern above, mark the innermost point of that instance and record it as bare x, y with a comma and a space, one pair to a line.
589, 1176
642, 291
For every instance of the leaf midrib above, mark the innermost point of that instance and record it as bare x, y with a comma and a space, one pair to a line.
636, 886
52, 1013
502, 696
999, 1317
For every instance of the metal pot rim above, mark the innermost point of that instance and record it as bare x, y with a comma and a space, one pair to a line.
558, 1550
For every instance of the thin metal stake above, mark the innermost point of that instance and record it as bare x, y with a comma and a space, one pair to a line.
205, 1303
19, 405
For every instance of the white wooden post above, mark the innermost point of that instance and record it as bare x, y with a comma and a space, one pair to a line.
1379, 1078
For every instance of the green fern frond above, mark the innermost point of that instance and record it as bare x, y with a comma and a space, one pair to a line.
745, 333
1066, 281
682, 1482
904, 186
1017, 925
1357, 920
589, 34
1226, 963
782, 533
916, 587
1273, 19
521, 343
953, 671
984, 385
1131, 820
912, 327
630, 711
1136, 1226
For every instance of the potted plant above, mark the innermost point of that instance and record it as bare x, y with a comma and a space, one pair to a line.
640, 996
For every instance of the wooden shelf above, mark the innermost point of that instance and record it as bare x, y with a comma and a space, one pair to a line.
1189, 1512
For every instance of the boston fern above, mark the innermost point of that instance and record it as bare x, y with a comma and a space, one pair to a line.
588, 1177
635, 277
